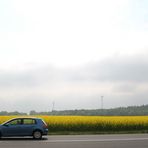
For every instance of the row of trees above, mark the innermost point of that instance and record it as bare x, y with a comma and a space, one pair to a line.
5, 113
121, 111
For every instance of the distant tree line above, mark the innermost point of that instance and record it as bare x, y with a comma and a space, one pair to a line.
5, 113
120, 111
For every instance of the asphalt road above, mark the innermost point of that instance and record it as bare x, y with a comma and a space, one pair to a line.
79, 141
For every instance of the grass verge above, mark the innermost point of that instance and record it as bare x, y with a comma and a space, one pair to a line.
96, 133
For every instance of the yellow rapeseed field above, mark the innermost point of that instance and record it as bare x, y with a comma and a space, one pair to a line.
92, 123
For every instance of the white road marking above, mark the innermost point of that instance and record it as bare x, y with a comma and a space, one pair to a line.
68, 140
95, 140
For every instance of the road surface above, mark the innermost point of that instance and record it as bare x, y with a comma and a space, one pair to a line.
79, 141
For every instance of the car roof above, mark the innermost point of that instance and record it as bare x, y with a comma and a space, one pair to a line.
22, 118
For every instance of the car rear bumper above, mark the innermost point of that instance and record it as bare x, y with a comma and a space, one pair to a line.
45, 132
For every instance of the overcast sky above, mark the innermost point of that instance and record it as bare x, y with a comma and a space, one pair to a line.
72, 52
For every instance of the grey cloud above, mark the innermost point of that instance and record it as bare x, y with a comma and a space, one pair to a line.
123, 69
129, 69
15, 79
28, 78
125, 87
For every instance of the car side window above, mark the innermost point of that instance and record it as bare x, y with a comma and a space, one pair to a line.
15, 122
29, 121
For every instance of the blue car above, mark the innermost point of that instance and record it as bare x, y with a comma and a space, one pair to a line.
35, 127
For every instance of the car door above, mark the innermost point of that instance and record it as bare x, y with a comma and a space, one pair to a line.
28, 126
12, 128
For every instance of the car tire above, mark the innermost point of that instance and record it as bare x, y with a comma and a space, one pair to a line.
37, 134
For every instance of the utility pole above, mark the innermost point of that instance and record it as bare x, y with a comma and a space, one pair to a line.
53, 104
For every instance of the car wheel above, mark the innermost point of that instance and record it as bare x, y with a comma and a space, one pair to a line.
37, 134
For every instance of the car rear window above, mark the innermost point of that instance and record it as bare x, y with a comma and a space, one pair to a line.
29, 121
